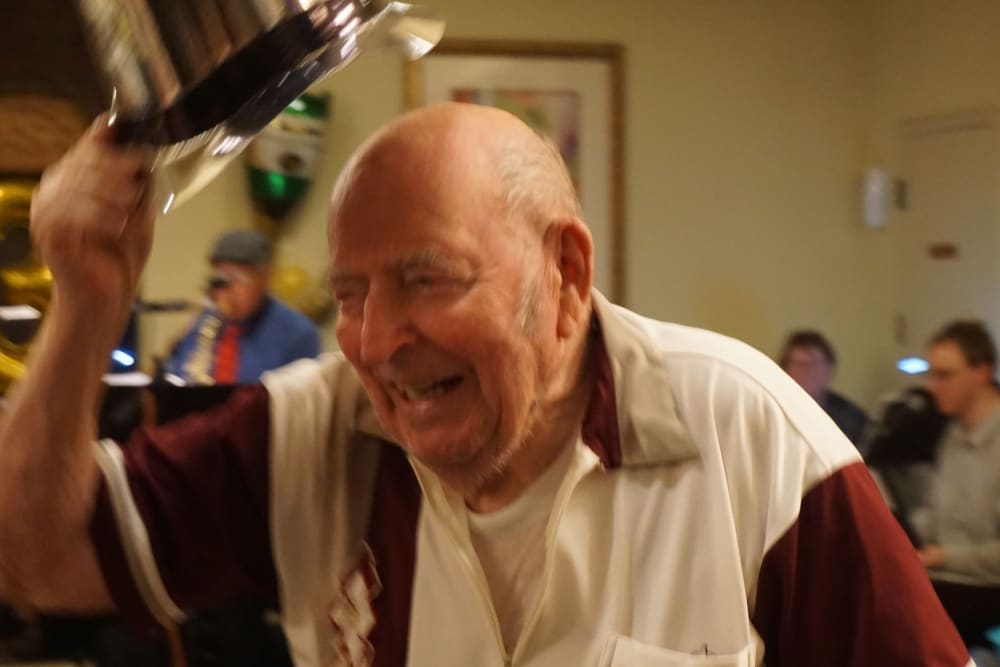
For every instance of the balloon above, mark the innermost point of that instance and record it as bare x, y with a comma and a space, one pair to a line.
293, 285
289, 282
282, 158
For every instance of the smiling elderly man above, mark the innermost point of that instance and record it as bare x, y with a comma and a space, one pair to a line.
574, 484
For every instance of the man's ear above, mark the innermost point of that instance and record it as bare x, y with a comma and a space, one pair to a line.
572, 248
985, 372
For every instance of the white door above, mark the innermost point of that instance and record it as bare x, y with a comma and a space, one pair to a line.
947, 226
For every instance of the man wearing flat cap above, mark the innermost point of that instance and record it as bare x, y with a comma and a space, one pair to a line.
246, 330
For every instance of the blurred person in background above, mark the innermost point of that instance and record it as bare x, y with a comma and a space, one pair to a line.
811, 361
961, 524
246, 330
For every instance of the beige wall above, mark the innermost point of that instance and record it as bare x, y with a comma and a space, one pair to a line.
748, 125
929, 58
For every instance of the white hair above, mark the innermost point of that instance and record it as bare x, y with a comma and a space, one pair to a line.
537, 182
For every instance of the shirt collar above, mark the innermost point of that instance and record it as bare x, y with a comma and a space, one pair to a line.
984, 432
249, 322
632, 417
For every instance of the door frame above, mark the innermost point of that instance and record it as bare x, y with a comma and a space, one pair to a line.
924, 126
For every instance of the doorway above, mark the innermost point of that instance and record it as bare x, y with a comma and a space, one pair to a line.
949, 242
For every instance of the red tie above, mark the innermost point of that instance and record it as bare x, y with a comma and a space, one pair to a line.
227, 355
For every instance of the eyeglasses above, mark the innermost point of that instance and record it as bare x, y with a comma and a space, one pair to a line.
942, 374
806, 363
219, 279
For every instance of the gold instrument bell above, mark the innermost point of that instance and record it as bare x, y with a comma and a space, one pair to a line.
25, 283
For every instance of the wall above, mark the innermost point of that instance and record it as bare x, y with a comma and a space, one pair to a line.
746, 134
931, 57
925, 58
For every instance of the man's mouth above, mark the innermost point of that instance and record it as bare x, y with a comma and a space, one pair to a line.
428, 391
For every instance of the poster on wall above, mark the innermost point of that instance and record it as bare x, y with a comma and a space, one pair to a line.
570, 93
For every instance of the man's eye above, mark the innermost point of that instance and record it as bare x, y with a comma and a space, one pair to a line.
425, 280
345, 297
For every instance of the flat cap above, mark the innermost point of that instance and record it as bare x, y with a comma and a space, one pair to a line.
242, 246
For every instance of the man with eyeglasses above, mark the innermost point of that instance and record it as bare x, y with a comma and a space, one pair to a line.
961, 525
246, 331
959, 528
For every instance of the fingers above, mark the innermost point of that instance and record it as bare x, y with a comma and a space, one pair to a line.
92, 220
101, 128
93, 206
138, 230
101, 132
117, 172
98, 150
96, 187
116, 184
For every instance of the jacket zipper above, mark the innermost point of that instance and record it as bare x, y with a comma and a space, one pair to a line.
474, 571
577, 471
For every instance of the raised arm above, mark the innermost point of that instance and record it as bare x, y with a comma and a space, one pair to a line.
92, 224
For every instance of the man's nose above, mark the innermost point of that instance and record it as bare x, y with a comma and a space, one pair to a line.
386, 327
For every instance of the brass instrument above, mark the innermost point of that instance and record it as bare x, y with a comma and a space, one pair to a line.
24, 280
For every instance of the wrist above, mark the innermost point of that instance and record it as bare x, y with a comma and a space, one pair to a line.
91, 317
91, 331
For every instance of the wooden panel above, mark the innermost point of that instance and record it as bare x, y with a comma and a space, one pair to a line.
49, 87
36, 130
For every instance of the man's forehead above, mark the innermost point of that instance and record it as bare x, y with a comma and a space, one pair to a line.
810, 351
947, 354
424, 176
432, 255
946, 348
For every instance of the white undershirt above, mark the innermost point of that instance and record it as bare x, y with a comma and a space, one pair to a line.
510, 544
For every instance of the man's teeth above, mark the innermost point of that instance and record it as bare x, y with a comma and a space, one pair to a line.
431, 390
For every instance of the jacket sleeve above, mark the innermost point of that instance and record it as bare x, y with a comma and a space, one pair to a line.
182, 518
831, 579
843, 587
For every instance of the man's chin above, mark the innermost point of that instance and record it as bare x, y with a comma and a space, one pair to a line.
437, 454
444, 452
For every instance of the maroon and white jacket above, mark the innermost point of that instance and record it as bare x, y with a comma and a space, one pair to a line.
712, 515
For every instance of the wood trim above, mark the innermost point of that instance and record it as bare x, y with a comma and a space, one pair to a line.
618, 210
611, 53
413, 81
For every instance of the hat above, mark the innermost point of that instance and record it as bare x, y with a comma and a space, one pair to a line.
242, 246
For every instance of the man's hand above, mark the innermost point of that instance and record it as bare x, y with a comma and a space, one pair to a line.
92, 223
932, 556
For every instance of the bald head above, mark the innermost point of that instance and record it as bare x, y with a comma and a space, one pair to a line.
490, 155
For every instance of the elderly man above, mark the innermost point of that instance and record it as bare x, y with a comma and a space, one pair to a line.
247, 331
574, 484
